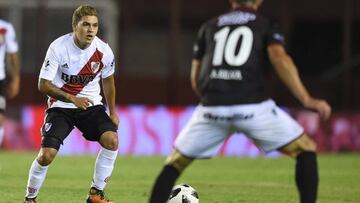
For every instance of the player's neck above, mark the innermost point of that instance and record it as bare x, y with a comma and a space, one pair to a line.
79, 44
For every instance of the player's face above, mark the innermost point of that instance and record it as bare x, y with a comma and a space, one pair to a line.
85, 31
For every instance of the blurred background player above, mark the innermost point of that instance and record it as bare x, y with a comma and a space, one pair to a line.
75, 64
229, 59
9, 88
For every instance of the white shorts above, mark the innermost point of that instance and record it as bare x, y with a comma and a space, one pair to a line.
266, 124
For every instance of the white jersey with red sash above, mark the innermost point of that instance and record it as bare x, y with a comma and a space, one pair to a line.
8, 44
77, 71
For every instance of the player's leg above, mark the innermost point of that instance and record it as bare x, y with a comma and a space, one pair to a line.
175, 164
306, 171
2, 112
104, 166
105, 160
97, 126
54, 131
202, 137
273, 129
2, 121
38, 171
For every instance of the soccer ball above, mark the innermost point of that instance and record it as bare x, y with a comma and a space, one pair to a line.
183, 193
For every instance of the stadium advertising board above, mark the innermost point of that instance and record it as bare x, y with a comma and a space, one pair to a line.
151, 130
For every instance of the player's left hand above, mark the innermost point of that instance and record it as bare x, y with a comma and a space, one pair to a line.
321, 106
13, 87
115, 119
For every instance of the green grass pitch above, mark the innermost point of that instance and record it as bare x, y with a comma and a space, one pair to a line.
219, 180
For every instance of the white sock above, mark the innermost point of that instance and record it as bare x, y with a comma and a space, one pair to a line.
104, 166
37, 176
1, 135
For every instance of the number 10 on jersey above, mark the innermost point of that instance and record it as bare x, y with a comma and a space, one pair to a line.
226, 42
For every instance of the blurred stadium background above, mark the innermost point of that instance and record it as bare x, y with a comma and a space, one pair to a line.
152, 41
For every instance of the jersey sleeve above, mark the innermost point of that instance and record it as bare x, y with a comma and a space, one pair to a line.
50, 65
199, 45
274, 36
11, 43
109, 64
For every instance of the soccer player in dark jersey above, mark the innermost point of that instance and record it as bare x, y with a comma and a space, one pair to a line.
229, 58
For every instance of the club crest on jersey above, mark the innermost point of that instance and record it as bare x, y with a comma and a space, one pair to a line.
47, 126
95, 65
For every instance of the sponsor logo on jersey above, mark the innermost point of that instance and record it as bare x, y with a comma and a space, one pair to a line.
46, 64
65, 66
77, 79
234, 117
95, 65
47, 126
236, 18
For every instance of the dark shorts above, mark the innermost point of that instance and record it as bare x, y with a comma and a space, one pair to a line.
59, 122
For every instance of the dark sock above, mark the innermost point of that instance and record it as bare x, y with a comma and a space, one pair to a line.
163, 185
307, 178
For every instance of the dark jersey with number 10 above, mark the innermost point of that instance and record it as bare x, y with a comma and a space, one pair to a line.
232, 48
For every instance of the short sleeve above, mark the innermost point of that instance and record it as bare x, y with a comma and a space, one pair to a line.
274, 36
199, 45
50, 65
10, 40
109, 63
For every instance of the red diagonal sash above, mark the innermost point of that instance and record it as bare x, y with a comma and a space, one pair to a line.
91, 68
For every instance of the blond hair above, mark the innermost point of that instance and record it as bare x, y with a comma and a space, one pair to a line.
81, 11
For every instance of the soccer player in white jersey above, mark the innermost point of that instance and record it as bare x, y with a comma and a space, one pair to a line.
229, 58
70, 76
8, 52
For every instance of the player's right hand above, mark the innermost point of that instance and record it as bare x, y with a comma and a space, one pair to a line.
13, 87
82, 102
319, 105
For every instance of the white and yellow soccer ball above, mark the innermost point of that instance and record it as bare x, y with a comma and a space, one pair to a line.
183, 193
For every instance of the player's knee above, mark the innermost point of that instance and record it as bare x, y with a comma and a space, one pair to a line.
110, 141
303, 144
178, 160
114, 141
311, 147
46, 156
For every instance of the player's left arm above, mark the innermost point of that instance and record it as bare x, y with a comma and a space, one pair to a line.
14, 82
109, 91
288, 73
194, 77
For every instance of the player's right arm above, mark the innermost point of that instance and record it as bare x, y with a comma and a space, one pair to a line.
47, 74
288, 73
14, 61
46, 87
198, 53
194, 77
